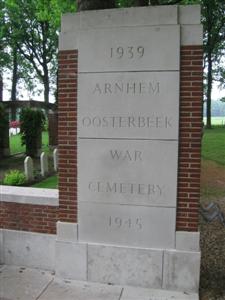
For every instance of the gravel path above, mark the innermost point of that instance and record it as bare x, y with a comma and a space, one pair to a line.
212, 285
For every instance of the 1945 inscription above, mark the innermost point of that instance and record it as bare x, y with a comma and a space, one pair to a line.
125, 223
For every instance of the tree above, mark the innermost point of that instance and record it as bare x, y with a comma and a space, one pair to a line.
34, 28
214, 43
4, 55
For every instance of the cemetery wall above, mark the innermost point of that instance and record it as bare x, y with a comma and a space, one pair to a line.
29, 209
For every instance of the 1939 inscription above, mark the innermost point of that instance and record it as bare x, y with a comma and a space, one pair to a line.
129, 52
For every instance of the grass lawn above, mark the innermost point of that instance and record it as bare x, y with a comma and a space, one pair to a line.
15, 143
48, 183
213, 145
17, 162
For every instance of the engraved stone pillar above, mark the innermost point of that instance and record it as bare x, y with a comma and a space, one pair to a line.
138, 87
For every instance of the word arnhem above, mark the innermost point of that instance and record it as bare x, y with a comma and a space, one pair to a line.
128, 121
129, 88
125, 188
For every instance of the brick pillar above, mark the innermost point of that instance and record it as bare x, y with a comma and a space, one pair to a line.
191, 95
67, 135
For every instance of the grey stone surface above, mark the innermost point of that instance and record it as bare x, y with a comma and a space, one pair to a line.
138, 16
19, 283
132, 172
188, 241
189, 14
72, 24
181, 270
44, 164
67, 232
71, 260
125, 266
143, 105
29, 249
162, 54
55, 159
28, 195
128, 96
138, 226
131, 293
191, 35
29, 168
67, 290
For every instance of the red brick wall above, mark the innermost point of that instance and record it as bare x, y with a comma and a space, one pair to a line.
28, 217
67, 135
191, 93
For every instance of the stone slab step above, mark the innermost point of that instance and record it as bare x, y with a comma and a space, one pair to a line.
20, 283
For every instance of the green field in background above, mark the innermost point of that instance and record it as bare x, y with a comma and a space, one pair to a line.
213, 145
216, 120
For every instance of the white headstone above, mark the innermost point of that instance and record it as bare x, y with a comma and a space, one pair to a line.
44, 164
29, 168
55, 159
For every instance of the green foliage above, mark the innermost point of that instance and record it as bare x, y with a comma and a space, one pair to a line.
32, 123
14, 177
3, 124
213, 145
213, 12
31, 29
49, 183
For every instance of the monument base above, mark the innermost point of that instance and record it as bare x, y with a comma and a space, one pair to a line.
162, 269
170, 269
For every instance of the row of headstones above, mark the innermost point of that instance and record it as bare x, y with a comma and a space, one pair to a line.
29, 166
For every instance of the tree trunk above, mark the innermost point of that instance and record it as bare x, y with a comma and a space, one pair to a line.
46, 81
209, 89
95, 4
1, 88
46, 89
14, 83
208, 49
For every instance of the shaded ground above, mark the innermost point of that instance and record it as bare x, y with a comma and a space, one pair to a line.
17, 162
212, 286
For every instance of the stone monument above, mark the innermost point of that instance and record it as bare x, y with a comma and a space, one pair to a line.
130, 91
